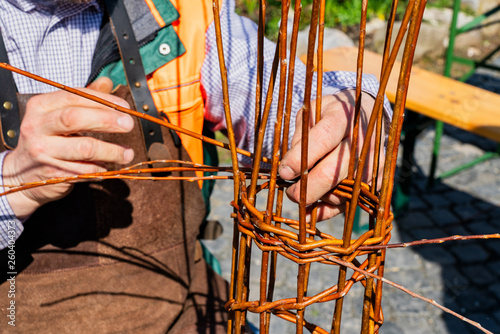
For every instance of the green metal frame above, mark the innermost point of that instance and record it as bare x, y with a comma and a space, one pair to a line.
450, 59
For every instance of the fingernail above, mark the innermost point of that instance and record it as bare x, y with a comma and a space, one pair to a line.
286, 173
308, 218
128, 155
126, 122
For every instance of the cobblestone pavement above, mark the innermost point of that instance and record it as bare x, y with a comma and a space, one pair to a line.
461, 275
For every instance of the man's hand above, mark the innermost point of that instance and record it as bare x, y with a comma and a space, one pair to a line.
50, 144
329, 152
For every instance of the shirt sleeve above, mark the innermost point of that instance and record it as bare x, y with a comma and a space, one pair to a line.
239, 36
10, 226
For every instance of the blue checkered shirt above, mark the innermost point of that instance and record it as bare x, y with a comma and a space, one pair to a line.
57, 42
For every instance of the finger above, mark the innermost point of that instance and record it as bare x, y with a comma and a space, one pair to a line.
324, 137
102, 84
61, 99
325, 175
326, 211
76, 119
88, 149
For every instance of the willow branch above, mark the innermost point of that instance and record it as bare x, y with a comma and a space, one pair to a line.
411, 293
128, 111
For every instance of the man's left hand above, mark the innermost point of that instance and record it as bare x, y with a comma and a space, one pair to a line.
329, 151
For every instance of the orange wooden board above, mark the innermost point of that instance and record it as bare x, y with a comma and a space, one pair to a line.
453, 102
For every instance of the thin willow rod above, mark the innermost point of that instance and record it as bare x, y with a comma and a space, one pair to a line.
366, 319
309, 244
379, 100
349, 221
386, 195
432, 241
227, 112
405, 73
123, 174
263, 124
350, 214
321, 297
304, 155
281, 49
401, 94
245, 251
376, 162
385, 56
398, 110
411, 293
286, 131
378, 291
318, 112
292, 317
128, 111
165, 161
225, 93
260, 67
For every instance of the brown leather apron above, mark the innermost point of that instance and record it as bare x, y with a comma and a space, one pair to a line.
117, 256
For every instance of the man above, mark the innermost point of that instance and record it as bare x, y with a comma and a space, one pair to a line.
121, 256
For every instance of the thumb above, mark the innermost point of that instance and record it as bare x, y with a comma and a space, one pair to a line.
102, 84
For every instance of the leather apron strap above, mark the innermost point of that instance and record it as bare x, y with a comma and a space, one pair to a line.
134, 71
9, 107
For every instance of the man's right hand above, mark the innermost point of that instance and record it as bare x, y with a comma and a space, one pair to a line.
50, 144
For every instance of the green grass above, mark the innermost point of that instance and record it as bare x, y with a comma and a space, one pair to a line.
338, 13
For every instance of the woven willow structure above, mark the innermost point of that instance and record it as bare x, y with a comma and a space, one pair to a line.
283, 239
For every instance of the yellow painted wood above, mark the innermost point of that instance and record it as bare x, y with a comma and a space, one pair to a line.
433, 95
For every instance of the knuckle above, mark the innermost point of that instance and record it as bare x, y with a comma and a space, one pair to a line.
36, 148
35, 103
87, 149
27, 128
68, 118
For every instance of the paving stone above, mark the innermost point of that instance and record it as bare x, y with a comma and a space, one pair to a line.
395, 260
482, 227
459, 198
486, 321
442, 217
495, 289
390, 327
438, 201
417, 204
411, 325
436, 253
493, 245
456, 230
413, 279
478, 274
415, 219
428, 233
494, 267
466, 211
469, 252
453, 280
475, 300
483, 206
438, 187
451, 324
